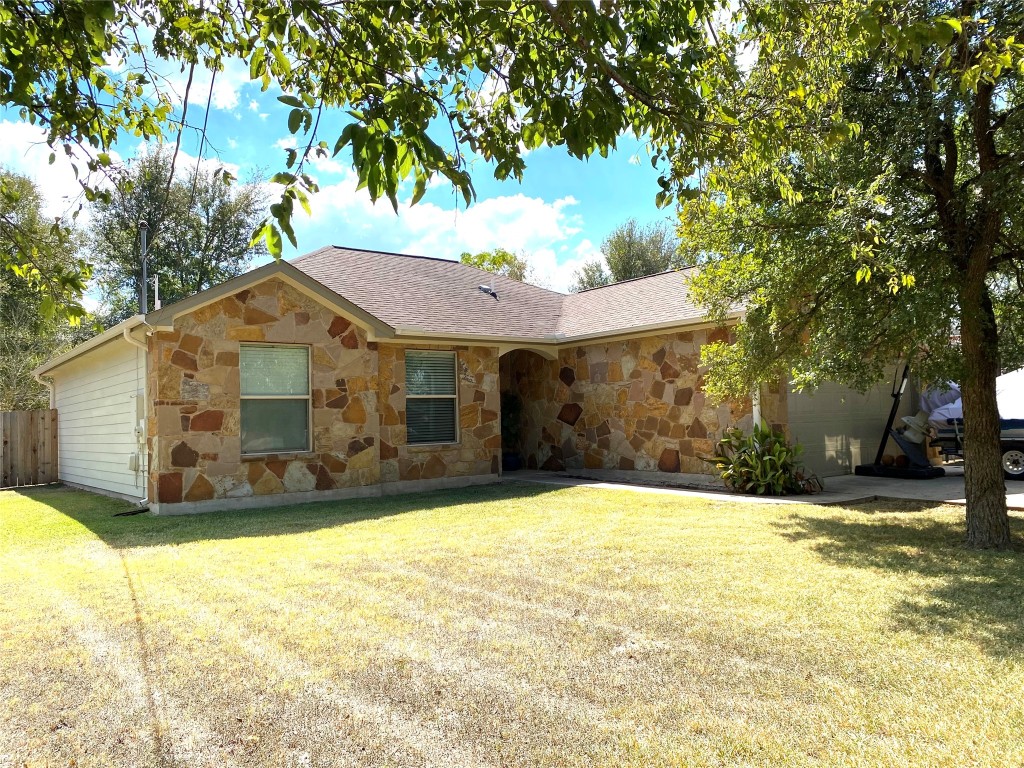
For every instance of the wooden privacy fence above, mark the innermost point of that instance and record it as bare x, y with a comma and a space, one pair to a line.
28, 448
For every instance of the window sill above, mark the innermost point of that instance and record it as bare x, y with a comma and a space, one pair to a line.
423, 447
282, 456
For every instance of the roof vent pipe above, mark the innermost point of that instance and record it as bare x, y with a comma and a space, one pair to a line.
489, 291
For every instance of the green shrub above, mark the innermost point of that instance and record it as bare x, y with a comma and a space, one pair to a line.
762, 462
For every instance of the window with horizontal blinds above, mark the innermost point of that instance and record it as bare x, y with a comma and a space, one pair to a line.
274, 426
274, 398
274, 371
430, 420
430, 373
431, 399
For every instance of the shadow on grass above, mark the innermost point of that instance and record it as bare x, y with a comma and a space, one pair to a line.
97, 513
977, 595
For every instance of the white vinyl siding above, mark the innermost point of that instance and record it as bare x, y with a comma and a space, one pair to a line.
431, 400
98, 400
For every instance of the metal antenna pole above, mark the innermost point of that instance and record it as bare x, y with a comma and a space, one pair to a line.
143, 289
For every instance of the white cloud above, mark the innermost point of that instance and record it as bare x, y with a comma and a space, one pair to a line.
23, 149
556, 271
226, 86
186, 163
550, 271
254, 106
314, 161
327, 165
113, 63
545, 231
90, 302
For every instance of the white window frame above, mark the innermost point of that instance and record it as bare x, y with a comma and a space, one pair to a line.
308, 398
454, 397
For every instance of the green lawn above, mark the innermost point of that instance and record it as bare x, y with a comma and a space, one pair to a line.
506, 625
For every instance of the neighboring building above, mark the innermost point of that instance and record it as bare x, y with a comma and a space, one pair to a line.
354, 373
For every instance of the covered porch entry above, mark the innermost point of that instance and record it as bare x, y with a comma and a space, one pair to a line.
615, 410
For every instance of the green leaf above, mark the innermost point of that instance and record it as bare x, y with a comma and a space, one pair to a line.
284, 66
418, 190
256, 63
273, 238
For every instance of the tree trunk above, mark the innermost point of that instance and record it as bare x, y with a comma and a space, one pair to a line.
988, 524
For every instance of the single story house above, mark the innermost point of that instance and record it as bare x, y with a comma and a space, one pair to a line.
351, 373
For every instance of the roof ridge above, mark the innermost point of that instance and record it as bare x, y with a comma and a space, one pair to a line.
634, 279
390, 253
321, 249
425, 258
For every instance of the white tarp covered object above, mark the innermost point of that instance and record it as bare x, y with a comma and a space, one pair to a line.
947, 404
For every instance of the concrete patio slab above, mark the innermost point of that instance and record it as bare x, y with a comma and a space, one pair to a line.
844, 489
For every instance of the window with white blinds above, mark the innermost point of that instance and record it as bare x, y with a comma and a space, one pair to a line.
431, 400
275, 398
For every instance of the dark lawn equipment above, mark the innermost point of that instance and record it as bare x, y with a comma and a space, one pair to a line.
919, 468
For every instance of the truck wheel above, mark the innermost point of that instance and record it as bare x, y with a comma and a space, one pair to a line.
1013, 463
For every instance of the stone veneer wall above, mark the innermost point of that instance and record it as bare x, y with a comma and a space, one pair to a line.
479, 448
636, 404
194, 424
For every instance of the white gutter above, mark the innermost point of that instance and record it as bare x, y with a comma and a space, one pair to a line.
127, 333
695, 324
49, 386
412, 331
559, 339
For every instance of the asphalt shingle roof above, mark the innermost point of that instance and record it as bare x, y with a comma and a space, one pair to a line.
439, 296
654, 300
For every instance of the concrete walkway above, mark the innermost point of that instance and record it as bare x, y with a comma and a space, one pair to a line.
845, 489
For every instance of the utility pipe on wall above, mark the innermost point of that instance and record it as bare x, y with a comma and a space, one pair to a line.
142, 465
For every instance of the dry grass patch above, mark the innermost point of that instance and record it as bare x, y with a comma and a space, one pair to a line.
506, 625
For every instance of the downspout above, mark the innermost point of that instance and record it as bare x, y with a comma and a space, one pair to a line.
126, 333
50, 387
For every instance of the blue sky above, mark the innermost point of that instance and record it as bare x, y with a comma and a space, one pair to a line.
557, 216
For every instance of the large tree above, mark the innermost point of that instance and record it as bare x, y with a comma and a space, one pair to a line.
199, 233
905, 241
631, 250
30, 331
500, 262
417, 89
39, 254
